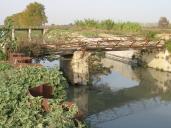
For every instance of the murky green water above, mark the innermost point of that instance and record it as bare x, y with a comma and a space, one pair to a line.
125, 98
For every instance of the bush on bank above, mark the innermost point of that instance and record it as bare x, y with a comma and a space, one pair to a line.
2, 55
20, 110
168, 45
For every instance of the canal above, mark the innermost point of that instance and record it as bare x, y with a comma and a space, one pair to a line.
124, 97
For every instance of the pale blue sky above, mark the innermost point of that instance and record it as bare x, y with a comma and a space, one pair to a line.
66, 11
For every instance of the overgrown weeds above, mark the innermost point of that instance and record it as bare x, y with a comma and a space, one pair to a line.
168, 45
19, 109
109, 25
32, 48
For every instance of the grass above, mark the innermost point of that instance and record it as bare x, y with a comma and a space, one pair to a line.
23, 35
150, 35
89, 34
54, 34
109, 25
5, 66
168, 45
2, 55
33, 48
157, 30
93, 28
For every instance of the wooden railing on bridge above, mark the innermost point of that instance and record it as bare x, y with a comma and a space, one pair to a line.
107, 45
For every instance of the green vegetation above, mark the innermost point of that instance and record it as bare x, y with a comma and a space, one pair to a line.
109, 25
90, 34
56, 34
4, 66
2, 55
156, 30
150, 35
33, 15
23, 35
96, 68
92, 28
168, 45
19, 109
33, 49
7, 44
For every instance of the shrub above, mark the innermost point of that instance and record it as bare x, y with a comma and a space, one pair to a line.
163, 22
109, 25
87, 23
6, 41
2, 55
4, 66
150, 35
168, 45
18, 109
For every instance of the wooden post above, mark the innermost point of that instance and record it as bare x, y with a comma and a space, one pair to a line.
43, 33
29, 34
13, 34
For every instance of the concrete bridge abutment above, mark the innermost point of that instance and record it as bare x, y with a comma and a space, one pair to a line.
76, 69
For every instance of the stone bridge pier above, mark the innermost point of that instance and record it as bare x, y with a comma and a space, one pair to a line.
76, 68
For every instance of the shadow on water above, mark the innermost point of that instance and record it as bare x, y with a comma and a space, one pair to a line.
123, 97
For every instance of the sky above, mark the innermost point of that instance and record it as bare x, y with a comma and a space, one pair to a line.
67, 11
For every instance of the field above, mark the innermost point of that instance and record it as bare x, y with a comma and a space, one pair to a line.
93, 29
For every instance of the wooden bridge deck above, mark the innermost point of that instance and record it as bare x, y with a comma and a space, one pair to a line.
106, 45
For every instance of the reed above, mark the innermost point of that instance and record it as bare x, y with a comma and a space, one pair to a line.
108, 25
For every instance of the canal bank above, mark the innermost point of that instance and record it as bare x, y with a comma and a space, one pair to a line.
122, 56
156, 59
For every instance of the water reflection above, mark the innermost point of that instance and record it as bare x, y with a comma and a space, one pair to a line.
47, 61
123, 93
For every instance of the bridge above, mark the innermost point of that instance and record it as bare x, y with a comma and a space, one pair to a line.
104, 44
118, 43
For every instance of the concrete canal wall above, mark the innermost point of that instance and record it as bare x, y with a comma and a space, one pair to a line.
123, 56
160, 60
78, 71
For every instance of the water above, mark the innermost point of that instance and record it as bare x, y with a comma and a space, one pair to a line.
125, 98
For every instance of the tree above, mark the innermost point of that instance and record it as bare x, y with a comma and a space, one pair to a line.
33, 15
163, 22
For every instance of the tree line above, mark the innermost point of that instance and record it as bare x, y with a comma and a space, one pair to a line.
33, 15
